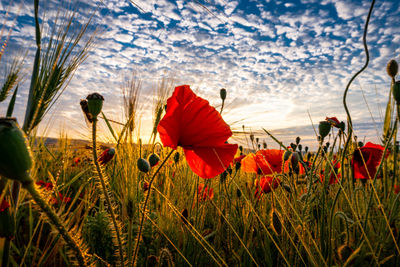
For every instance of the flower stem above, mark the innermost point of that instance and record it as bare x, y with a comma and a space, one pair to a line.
104, 188
56, 222
144, 207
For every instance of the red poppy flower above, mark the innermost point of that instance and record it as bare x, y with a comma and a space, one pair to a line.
333, 121
265, 162
190, 122
54, 200
266, 184
48, 186
335, 175
371, 154
106, 156
396, 189
205, 193
4, 205
76, 161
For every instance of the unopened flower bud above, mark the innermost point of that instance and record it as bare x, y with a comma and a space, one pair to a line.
392, 68
222, 93
298, 140
324, 128
15, 156
286, 155
154, 159
143, 165
95, 103
176, 157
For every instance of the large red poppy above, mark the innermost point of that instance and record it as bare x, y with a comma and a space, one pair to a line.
190, 122
371, 154
265, 162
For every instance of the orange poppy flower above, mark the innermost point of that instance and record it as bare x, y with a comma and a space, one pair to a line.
265, 162
190, 122
371, 154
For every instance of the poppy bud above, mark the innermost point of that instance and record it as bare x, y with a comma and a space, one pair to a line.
276, 224
241, 149
324, 128
176, 157
222, 93
295, 159
360, 144
106, 156
143, 165
15, 156
238, 193
237, 166
252, 137
327, 144
184, 216
396, 91
297, 140
264, 145
392, 68
293, 146
154, 159
287, 188
306, 149
286, 155
257, 140
300, 147
95, 103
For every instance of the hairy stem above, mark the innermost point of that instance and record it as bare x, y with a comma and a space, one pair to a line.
104, 188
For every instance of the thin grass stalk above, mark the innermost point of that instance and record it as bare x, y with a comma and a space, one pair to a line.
105, 193
144, 208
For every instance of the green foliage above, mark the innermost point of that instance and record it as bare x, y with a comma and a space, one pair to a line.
97, 235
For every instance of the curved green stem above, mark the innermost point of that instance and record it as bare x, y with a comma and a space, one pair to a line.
349, 122
56, 222
144, 207
106, 197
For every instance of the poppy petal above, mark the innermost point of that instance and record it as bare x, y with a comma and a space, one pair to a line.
188, 119
208, 162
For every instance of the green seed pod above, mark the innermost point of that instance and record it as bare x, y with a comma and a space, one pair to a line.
298, 140
342, 126
15, 156
95, 103
392, 68
324, 128
396, 91
143, 165
222, 93
286, 155
176, 157
154, 159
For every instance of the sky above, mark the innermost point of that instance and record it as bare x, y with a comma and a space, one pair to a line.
285, 64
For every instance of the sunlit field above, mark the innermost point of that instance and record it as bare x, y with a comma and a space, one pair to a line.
187, 194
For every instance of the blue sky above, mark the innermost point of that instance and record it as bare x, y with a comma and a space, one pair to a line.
284, 64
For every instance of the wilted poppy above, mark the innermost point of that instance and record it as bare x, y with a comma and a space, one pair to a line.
106, 156
4, 205
335, 175
265, 162
333, 121
365, 160
190, 122
205, 193
266, 184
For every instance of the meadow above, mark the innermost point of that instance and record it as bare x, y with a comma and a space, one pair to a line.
188, 196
